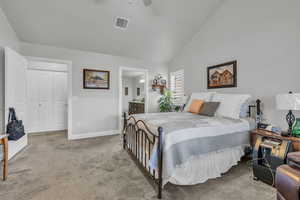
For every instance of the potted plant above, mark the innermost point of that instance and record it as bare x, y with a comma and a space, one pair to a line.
165, 102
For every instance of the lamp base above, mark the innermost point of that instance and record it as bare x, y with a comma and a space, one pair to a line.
290, 119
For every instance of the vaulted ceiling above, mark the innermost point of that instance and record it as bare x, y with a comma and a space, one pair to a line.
157, 32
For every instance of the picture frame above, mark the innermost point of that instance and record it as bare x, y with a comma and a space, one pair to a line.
138, 91
222, 76
163, 82
126, 91
96, 79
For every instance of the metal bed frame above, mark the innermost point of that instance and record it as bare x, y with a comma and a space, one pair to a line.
139, 141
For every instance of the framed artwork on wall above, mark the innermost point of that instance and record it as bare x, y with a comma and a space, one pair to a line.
96, 79
222, 75
126, 91
138, 91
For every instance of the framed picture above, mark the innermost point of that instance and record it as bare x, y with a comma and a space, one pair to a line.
163, 82
222, 75
126, 91
138, 91
95, 79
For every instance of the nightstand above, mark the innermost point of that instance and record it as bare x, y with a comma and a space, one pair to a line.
269, 152
295, 141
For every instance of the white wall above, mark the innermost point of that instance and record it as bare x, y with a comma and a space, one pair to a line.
95, 110
8, 38
263, 36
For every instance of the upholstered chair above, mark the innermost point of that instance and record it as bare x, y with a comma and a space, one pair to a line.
287, 180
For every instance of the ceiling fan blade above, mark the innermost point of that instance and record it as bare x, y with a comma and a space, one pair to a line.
147, 2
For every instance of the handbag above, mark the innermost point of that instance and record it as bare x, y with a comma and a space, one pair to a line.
15, 127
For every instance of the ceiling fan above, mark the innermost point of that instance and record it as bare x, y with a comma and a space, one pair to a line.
147, 2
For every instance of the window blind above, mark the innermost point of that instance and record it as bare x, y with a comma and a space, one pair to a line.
177, 86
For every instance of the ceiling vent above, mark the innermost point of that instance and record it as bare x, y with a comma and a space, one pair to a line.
121, 22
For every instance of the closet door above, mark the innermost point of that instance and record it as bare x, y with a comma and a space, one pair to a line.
60, 106
45, 100
33, 101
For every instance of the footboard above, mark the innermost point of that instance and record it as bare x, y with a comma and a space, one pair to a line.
140, 143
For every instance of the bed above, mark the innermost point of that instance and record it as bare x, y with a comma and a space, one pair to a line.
185, 148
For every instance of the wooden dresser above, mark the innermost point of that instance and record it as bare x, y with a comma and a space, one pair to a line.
136, 108
295, 141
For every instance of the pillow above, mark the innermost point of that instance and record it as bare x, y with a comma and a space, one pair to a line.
204, 96
196, 105
230, 104
209, 108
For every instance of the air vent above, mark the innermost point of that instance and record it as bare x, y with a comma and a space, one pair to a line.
121, 22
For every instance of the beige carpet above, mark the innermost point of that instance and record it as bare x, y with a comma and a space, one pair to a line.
53, 168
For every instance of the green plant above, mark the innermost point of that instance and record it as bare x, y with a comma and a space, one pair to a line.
177, 108
165, 102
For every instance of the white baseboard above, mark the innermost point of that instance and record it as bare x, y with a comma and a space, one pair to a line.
92, 135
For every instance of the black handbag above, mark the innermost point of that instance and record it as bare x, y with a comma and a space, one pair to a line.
15, 127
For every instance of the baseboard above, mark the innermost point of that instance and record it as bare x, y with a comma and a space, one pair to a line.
92, 135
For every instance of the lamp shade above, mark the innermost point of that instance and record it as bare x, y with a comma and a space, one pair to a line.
288, 101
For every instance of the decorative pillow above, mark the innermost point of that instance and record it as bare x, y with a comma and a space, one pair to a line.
209, 108
196, 105
230, 104
204, 96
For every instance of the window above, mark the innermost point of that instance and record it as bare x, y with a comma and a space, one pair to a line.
177, 86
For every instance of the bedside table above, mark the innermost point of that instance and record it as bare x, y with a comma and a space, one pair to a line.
294, 140
269, 152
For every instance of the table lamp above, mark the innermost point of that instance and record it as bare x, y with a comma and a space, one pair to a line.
289, 102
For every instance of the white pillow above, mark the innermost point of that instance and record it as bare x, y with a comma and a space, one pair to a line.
204, 96
230, 104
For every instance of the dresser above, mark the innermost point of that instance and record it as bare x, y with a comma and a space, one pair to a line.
136, 108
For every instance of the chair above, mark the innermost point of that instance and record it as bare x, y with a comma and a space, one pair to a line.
287, 180
4, 143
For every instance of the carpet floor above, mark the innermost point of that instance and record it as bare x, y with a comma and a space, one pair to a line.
53, 168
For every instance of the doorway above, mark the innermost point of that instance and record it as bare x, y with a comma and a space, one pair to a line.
133, 91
